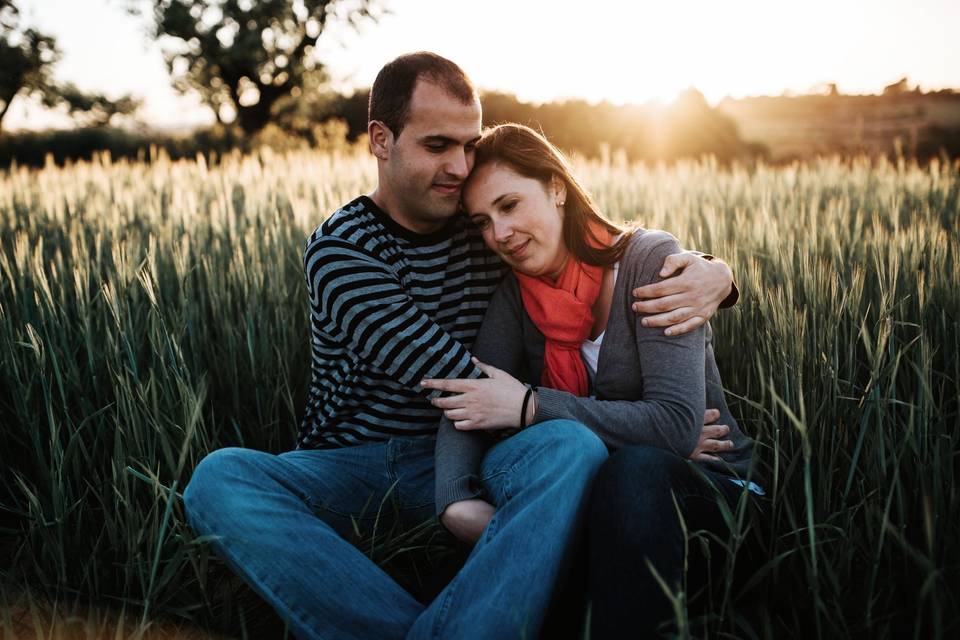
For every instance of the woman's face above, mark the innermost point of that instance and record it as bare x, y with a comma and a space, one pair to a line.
521, 218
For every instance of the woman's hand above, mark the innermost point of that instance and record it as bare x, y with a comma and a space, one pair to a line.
487, 403
467, 519
684, 302
710, 438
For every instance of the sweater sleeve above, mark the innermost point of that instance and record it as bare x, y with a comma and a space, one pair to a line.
357, 300
670, 413
459, 453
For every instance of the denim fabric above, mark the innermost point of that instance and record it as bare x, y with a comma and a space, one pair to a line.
633, 519
283, 522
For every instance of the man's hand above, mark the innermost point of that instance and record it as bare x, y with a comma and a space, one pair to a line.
710, 438
467, 519
686, 301
487, 403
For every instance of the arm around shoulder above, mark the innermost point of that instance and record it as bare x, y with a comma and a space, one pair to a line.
669, 411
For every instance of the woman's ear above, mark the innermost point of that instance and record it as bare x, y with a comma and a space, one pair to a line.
380, 139
559, 190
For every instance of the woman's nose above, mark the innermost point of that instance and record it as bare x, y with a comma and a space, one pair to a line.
502, 231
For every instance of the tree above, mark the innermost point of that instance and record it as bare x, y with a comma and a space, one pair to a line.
94, 109
26, 58
897, 88
242, 56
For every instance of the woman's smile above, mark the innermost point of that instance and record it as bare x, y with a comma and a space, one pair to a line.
518, 250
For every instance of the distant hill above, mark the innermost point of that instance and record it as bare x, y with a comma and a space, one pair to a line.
779, 129
913, 123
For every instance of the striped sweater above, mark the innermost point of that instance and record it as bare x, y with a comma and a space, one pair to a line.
388, 307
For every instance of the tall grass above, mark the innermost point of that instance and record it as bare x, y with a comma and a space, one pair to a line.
150, 313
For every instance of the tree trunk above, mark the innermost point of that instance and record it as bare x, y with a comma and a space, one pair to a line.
255, 117
6, 105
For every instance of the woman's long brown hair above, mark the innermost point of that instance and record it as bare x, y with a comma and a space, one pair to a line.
533, 156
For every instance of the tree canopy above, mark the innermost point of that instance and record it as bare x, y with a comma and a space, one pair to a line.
26, 58
243, 56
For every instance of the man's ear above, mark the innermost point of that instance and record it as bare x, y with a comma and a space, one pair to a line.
380, 139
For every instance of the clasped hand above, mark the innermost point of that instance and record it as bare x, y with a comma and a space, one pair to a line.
486, 403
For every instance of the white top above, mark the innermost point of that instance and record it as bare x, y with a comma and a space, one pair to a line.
590, 349
590, 352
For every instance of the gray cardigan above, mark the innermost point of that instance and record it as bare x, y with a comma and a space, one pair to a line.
649, 389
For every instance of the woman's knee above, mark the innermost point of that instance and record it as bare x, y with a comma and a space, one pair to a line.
636, 478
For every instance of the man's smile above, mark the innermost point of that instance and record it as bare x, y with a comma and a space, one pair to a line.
448, 188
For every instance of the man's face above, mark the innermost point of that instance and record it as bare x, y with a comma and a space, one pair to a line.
431, 158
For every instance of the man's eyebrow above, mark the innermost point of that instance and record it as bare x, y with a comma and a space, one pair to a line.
446, 139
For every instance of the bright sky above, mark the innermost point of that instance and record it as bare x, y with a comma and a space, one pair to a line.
618, 50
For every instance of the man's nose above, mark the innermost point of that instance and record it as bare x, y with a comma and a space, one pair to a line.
459, 165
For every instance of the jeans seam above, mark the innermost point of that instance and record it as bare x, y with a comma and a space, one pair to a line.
445, 605
507, 472
508, 482
487, 478
393, 450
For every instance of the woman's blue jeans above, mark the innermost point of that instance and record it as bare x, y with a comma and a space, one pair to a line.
633, 524
282, 523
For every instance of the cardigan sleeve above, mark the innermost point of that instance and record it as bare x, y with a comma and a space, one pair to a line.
459, 453
670, 413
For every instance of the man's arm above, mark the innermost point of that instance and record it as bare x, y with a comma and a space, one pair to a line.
669, 414
356, 300
686, 301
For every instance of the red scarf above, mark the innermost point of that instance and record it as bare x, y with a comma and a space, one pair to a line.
563, 311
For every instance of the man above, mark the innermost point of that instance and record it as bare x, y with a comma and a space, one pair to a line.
398, 285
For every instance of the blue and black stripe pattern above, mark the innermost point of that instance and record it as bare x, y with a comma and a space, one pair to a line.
388, 307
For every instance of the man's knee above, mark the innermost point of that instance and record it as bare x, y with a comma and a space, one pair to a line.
210, 484
569, 443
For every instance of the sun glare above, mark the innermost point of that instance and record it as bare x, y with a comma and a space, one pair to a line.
656, 50
639, 51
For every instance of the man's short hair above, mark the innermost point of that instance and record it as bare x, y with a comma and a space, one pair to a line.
393, 88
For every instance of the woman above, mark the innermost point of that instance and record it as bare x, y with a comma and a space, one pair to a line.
562, 320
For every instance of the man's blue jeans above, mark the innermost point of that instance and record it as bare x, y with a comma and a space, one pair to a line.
282, 521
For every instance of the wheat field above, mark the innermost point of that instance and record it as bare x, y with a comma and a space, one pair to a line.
153, 312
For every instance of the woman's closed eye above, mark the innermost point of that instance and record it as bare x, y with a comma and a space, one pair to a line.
480, 222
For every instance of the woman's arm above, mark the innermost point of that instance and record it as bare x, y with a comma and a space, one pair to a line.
459, 453
667, 374
671, 411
